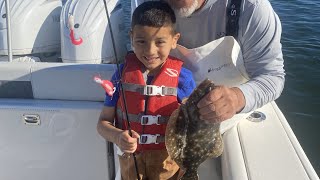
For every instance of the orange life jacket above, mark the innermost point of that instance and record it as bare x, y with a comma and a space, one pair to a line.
148, 104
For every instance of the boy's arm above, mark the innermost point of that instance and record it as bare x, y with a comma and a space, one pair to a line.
120, 137
105, 125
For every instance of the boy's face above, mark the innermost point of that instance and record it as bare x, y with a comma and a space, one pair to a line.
152, 45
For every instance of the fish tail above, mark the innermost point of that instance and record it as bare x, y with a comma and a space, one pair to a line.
190, 175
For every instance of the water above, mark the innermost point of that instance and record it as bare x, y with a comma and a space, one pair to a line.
300, 100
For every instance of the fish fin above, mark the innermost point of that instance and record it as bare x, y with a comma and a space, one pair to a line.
217, 150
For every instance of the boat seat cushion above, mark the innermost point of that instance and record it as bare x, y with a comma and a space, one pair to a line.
56, 81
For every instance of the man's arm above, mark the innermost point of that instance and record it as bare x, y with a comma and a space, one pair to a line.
259, 36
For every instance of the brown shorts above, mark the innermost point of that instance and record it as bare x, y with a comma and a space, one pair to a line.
152, 165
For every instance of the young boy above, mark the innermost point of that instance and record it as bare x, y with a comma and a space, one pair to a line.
154, 84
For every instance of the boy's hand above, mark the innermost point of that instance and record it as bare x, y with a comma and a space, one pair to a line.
126, 143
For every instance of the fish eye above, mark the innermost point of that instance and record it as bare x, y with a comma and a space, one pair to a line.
77, 25
4, 15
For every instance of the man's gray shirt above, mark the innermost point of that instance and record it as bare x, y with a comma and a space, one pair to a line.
258, 36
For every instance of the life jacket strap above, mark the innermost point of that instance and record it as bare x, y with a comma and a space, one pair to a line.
144, 119
150, 90
151, 139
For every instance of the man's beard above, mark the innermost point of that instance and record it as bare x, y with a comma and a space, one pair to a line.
186, 12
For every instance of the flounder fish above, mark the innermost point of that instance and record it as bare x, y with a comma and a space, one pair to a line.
189, 140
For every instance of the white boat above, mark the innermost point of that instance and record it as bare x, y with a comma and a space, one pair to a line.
49, 113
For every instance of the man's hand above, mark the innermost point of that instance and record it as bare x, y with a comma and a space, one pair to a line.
126, 143
220, 104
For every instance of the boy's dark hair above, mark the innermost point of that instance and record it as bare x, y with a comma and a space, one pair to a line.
154, 14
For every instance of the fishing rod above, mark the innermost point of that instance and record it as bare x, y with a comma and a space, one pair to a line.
120, 84
9, 42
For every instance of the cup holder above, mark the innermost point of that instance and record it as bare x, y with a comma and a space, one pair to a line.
256, 116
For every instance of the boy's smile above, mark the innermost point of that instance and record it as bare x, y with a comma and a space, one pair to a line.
152, 45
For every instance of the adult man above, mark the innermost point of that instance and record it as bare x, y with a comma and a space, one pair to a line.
259, 34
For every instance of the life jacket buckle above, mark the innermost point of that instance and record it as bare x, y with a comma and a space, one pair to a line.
149, 119
152, 90
148, 139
